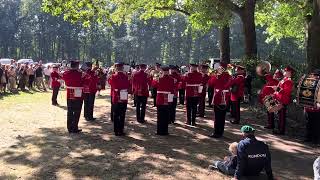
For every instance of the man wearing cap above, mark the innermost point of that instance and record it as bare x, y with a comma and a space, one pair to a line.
237, 92
55, 84
155, 75
90, 87
220, 98
182, 88
140, 85
205, 78
177, 78
165, 96
74, 82
283, 95
119, 85
253, 156
194, 88
267, 89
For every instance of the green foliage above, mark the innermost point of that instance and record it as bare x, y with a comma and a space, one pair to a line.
283, 19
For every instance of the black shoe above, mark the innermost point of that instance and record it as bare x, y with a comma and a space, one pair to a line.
193, 124
215, 136
75, 131
92, 119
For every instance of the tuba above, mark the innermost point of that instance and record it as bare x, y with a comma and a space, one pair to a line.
263, 68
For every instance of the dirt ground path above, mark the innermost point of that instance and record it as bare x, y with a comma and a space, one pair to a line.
34, 144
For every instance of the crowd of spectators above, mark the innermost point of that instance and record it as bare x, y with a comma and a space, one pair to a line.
16, 77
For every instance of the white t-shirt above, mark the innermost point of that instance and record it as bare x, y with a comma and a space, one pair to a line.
316, 169
47, 72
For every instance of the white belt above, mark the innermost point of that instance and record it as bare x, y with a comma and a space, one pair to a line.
217, 90
122, 90
193, 85
68, 87
163, 92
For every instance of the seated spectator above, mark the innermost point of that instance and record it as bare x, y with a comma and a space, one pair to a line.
253, 156
229, 164
316, 169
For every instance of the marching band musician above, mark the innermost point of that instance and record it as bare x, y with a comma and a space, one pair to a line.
74, 82
220, 98
194, 88
90, 87
177, 78
267, 89
155, 74
205, 78
140, 83
165, 95
55, 84
182, 88
110, 73
237, 92
312, 115
119, 86
283, 95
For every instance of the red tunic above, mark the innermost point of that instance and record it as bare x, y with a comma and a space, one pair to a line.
221, 92
165, 87
140, 82
239, 82
90, 82
177, 80
73, 79
284, 93
193, 80
55, 76
182, 83
266, 89
119, 82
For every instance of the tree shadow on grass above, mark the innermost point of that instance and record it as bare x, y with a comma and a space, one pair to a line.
185, 154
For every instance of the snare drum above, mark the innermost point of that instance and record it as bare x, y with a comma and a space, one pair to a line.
308, 94
272, 104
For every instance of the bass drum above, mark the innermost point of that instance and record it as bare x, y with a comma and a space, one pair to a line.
308, 93
272, 104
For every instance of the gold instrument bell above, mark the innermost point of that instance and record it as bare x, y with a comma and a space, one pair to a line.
263, 68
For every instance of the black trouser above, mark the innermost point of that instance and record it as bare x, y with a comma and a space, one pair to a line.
111, 113
119, 116
313, 124
55, 92
173, 110
202, 105
192, 103
270, 120
163, 115
154, 96
220, 116
210, 95
134, 100
88, 104
30, 83
182, 93
141, 102
235, 111
74, 111
282, 119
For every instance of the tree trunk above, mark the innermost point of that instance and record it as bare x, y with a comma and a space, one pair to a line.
313, 38
249, 29
224, 44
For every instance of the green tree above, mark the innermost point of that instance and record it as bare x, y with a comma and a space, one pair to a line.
298, 19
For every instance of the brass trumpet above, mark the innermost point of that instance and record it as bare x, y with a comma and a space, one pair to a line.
263, 68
